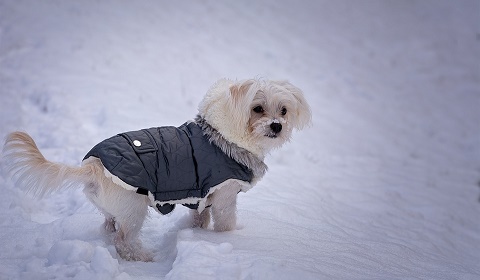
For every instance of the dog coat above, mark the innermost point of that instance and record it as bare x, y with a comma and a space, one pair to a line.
175, 165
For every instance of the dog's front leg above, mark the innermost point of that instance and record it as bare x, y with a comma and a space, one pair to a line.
224, 207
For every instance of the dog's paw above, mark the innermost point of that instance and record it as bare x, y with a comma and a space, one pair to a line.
132, 251
136, 256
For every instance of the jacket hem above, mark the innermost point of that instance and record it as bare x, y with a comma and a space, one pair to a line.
202, 202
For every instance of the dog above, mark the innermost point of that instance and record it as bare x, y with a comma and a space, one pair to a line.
202, 164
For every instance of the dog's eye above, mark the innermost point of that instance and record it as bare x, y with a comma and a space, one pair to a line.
284, 111
258, 109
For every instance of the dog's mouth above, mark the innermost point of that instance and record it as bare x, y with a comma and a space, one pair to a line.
271, 135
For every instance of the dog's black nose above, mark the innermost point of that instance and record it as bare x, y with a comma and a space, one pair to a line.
276, 127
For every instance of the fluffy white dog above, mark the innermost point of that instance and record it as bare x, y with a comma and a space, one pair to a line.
202, 164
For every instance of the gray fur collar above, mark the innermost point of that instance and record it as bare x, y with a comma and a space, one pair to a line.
240, 155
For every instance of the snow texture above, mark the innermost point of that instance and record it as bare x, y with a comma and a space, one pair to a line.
384, 185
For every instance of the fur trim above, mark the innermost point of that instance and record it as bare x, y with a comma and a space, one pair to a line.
239, 154
202, 202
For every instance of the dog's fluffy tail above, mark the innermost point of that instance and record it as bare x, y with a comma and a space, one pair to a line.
30, 169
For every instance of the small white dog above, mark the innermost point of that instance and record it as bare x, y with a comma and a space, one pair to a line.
202, 164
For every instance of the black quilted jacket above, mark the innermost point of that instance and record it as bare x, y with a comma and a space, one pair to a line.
169, 162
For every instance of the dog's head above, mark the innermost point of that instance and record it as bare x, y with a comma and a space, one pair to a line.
257, 115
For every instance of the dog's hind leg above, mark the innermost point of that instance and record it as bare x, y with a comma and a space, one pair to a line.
125, 211
129, 221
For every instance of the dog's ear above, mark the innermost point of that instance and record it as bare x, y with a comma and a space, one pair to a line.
303, 113
240, 89
240, 99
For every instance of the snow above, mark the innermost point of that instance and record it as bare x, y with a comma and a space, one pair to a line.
384, 185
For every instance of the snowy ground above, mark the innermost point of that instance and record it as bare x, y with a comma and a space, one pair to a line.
384, 185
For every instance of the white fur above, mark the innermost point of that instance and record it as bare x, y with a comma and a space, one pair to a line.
228, 104
228, 107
